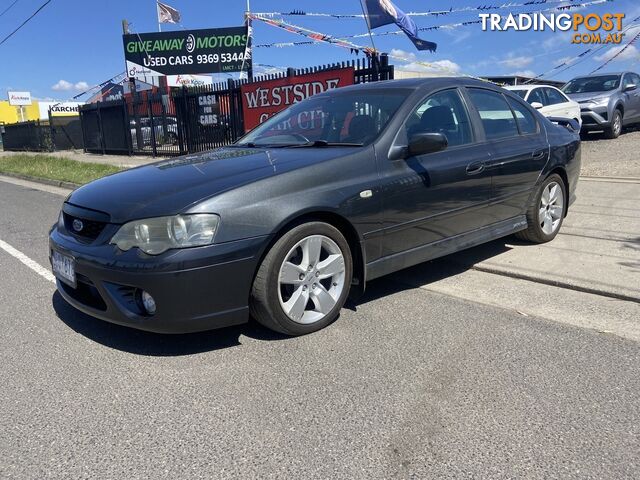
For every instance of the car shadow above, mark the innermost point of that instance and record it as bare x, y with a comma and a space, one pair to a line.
163, 345
155, 344
597, 136
435, 270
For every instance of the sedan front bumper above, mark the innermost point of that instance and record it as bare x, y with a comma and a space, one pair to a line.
195, 289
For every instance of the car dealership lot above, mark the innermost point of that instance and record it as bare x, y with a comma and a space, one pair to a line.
439, 371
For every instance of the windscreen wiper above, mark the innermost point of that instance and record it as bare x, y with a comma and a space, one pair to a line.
324, 143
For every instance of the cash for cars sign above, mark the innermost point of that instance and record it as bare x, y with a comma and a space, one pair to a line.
211, 50
262, 100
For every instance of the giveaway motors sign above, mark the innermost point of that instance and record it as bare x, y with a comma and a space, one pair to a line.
262, 100
211, 50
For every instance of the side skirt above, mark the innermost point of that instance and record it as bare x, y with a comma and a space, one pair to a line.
424, 253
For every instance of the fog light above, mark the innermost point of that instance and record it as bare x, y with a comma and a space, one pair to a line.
148, 303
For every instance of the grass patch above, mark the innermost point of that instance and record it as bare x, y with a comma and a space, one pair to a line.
55, 168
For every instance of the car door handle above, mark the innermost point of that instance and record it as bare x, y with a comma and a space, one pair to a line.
475, 168
539, 155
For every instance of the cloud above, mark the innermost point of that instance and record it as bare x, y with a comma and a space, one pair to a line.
65, 86
443, 67
517, 62
631, 53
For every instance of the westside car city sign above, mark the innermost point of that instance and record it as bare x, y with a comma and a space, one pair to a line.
264, 99
212, 50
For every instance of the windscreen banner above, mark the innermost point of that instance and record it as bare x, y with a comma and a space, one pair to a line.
262, 100
211, 50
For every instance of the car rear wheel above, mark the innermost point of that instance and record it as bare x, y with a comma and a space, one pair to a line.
303, 281
546, 213
615, 129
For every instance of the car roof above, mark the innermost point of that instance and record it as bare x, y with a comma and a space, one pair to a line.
418, 84
529, 87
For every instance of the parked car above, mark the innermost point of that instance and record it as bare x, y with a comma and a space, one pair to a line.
166, 131
549, 100
304, 210
608, 101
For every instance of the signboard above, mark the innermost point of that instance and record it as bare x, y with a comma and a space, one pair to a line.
188, 80
59, 109
211, 50
262, 100
19, 99
208, 110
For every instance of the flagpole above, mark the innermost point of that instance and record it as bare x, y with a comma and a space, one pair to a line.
158, 17
366, 19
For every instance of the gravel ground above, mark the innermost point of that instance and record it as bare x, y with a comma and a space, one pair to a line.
611, 158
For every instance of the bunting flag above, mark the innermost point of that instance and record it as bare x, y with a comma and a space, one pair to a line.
447, 26
434, 13
385, 12
582, 56
167, 14
619, 52
320, 37
305, 32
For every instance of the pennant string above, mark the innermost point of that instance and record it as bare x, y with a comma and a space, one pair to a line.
448, 26
434, 13
320, 37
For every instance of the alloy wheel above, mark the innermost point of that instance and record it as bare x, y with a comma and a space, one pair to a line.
551, 208
617, 124
311, 279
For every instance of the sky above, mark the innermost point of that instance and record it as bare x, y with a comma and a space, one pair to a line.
74, 44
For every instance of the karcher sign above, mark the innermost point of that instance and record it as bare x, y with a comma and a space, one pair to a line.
59, 109
19, 99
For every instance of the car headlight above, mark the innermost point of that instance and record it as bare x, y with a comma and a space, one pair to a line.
157, 235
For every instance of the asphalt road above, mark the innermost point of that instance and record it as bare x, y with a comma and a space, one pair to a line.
408, 384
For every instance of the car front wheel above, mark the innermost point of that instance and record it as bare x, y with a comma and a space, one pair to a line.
615, 129
303, 281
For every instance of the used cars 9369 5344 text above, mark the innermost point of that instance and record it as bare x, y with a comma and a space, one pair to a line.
336, 190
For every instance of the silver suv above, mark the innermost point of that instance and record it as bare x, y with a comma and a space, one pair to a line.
607, 101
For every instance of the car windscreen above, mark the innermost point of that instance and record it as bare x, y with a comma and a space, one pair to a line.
521, 93
603, 83
351, 118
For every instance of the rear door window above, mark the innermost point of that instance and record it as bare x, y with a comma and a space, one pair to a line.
496, 115
524, 117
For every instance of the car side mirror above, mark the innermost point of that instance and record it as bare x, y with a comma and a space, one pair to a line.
423, 143
537, 105
630, 87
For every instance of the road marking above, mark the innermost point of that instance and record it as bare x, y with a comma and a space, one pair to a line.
32, 264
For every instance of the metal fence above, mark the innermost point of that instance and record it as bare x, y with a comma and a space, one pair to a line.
165, 124
32, 136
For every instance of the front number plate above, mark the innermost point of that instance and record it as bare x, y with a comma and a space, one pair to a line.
64, 268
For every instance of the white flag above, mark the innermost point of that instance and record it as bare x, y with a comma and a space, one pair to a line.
167, 14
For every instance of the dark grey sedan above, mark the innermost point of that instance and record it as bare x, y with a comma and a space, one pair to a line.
337, 190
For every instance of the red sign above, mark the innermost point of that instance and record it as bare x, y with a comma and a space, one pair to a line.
262, 100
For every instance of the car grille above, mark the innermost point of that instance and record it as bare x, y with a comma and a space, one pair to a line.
90, 228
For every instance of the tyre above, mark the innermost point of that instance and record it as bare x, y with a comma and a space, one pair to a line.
615, 129
303, 281
546, 213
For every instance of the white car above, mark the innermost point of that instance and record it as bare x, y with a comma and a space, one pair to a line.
550, 101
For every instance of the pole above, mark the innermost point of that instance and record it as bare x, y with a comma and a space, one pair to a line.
247, 50
158, 17
125, 31
366, 19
